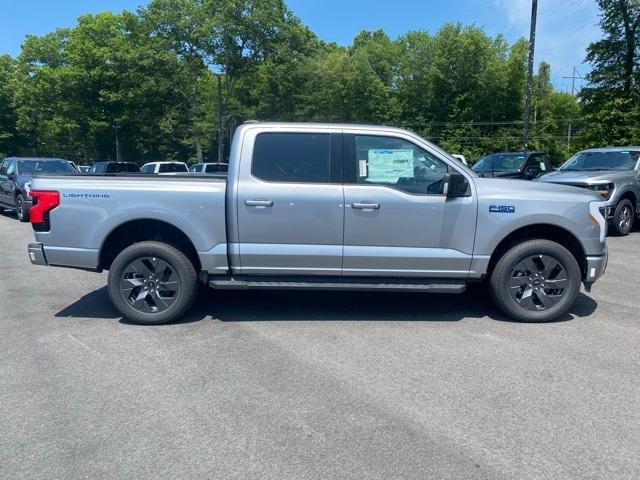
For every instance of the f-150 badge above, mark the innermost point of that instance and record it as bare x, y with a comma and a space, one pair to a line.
502, 209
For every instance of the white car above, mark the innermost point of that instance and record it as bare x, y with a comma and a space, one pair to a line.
164, 167
460, 157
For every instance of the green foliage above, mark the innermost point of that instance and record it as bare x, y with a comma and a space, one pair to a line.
611, 108
151, 77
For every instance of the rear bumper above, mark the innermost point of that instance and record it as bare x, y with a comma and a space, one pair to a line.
36, 254
596, 266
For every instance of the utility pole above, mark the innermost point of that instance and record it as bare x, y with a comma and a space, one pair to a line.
117, 145
575, 75
220, 125
532, 46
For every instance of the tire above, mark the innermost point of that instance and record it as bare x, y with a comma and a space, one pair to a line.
152, 283
623, 218
536, 281
21, 212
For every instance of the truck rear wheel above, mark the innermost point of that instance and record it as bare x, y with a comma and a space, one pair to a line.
623, 218
21, 210
152, 283
536, 281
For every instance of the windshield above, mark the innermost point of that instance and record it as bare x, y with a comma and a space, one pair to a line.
500, 162
601, 161
32, 167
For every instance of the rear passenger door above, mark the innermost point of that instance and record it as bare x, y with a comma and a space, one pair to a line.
290, 208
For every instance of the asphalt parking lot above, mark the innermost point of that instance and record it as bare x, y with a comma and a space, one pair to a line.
314, 385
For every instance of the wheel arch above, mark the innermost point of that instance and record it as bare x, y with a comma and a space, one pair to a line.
541, 231
146, 229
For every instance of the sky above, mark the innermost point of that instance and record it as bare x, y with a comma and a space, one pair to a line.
565, 27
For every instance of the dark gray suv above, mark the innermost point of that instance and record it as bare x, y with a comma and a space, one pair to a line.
15, 175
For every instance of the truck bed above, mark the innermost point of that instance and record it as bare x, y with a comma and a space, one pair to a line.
93, 206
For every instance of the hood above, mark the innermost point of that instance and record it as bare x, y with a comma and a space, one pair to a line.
525, 189
585, 178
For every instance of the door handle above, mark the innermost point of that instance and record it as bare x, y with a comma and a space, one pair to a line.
258, 203
365, 206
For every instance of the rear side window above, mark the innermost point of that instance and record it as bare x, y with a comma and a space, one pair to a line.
292, 157
148, 168
172, 168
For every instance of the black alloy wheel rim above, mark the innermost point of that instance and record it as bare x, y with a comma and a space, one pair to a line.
150, 284
624, 222
538, 282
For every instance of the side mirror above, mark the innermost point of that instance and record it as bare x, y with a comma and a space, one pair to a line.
456, 185
11, 176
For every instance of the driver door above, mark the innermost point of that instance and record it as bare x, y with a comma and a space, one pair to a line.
398, 219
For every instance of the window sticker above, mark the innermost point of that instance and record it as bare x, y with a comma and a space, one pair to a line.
389, 165
362, 164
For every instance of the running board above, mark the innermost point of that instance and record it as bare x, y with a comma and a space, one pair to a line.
395, 285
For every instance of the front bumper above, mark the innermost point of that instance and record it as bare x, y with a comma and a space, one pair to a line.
36, 254
596, 266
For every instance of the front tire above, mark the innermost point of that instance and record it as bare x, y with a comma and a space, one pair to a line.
536, 281
21, 210
623, 218
152, 283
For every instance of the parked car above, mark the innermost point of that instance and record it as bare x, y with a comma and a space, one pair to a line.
612, 172
321, 206
521, 165
165, 167
15, 175
113, 167
216, 167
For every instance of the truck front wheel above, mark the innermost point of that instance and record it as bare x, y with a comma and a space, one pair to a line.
152, 283
536, 281
623, 218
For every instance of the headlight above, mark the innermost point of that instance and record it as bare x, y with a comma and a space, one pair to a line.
604, 189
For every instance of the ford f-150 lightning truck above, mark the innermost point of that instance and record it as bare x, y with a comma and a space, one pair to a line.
323, 206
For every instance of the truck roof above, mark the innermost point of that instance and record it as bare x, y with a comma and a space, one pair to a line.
312, 125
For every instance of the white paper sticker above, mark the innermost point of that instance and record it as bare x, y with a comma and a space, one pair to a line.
389, 165
363, 168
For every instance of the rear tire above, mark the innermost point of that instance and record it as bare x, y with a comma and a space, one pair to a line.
152, 283
21, 211
536, 281
623, 218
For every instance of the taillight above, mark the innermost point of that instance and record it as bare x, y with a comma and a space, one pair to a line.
43, 202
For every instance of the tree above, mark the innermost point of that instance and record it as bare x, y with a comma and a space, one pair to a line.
610, 99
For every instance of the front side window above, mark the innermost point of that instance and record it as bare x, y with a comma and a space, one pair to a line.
292, 157
148, 168
11, 167
618, 160
399, 164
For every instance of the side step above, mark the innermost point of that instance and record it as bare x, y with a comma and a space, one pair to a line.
364, 284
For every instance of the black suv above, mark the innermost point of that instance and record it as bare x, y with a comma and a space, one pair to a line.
522, 165
114, 167
16, 174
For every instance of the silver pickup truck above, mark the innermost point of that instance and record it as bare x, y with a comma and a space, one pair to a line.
317, 206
